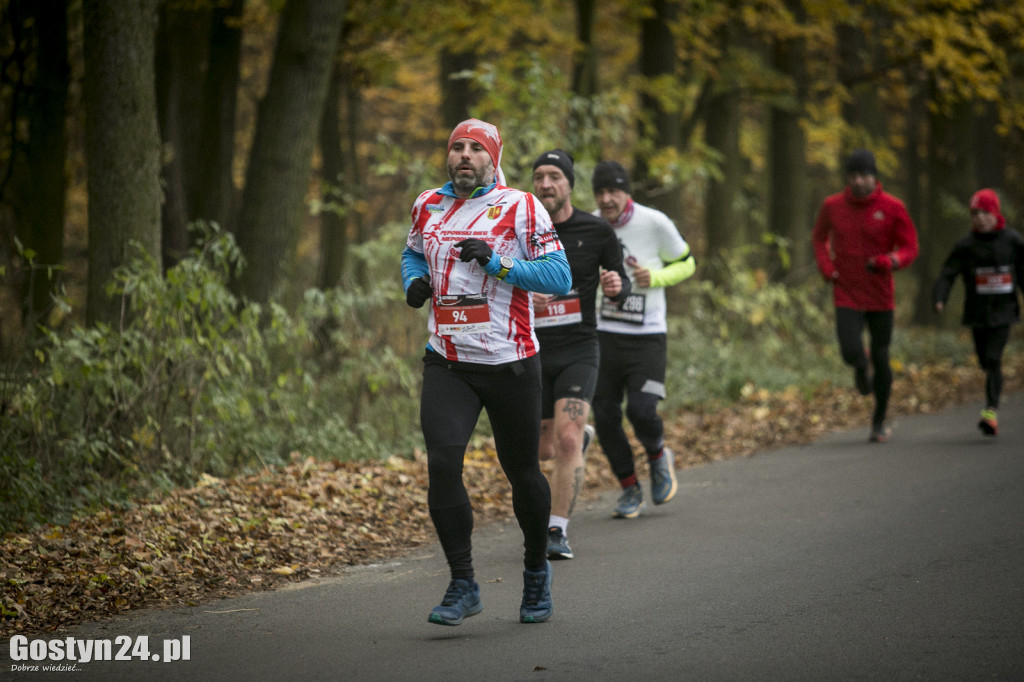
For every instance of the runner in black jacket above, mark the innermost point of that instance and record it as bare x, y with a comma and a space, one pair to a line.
990, 260
566, 329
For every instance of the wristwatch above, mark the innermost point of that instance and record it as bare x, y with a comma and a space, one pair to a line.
506, 264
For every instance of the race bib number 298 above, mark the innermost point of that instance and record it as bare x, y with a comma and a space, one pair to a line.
632, 310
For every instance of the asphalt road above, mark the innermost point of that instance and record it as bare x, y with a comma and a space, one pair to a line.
840, 560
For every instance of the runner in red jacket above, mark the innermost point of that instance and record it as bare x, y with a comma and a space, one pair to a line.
860, 237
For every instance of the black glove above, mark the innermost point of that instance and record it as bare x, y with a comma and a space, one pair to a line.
419, 291
475, 248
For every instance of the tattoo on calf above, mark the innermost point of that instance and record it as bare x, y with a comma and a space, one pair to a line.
577, 486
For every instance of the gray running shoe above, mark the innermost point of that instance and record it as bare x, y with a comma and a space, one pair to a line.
631, 503
558, 544
461, 600
879, 433
663, 477
536, 606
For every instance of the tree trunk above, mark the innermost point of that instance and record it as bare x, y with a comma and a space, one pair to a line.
857, 58
122, 143
584, 60
181, 62
789, 212
40, 201
660, 126
990, 150
273, 203
916, 176
334, 239
458, 95
951, 179
584, 83
215, 195
726, 230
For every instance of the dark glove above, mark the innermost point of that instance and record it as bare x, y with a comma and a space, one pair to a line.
419, 292
475, 248
883, 263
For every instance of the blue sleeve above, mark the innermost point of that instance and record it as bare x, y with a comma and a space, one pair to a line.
414, 266
548, 274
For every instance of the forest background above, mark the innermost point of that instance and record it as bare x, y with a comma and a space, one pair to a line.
203, 203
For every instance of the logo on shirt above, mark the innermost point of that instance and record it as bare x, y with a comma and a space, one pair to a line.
879, 215
493, 212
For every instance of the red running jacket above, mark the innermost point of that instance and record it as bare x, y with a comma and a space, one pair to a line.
848, 232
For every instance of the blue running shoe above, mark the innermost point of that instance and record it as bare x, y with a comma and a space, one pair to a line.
631, 503
536, 606
558, 544
663, 477
461, 600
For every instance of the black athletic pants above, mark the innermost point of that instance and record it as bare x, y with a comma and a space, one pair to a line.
453, 396
850, 331
989, 343
632, 365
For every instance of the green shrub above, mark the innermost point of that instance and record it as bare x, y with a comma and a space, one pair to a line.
196, 381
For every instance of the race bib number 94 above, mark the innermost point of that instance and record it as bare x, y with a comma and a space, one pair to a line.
462, 314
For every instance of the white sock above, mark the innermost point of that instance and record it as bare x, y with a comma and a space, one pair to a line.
559, 522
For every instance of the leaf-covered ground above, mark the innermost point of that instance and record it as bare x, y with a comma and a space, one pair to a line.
312, 519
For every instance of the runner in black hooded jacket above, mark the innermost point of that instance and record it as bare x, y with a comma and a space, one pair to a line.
990, 260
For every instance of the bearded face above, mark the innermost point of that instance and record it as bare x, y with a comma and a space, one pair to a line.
469, 166
552, 188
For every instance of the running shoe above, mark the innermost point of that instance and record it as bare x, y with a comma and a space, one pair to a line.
663, 477
461, 600
631, 502
536, 606
989, 425
588, 437
558, 544
879, 433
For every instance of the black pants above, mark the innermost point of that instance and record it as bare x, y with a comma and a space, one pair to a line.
989, 343
850, 331
453, 396
632, 365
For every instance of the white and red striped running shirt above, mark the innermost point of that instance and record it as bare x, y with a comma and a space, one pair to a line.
475, 317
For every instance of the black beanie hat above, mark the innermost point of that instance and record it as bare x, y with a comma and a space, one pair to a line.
861, 161
560, 159
610, 174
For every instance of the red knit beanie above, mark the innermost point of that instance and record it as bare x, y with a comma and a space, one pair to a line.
487, 135
987, 200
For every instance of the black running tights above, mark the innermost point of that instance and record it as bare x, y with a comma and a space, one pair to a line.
453, 396
989, 343
850, 331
